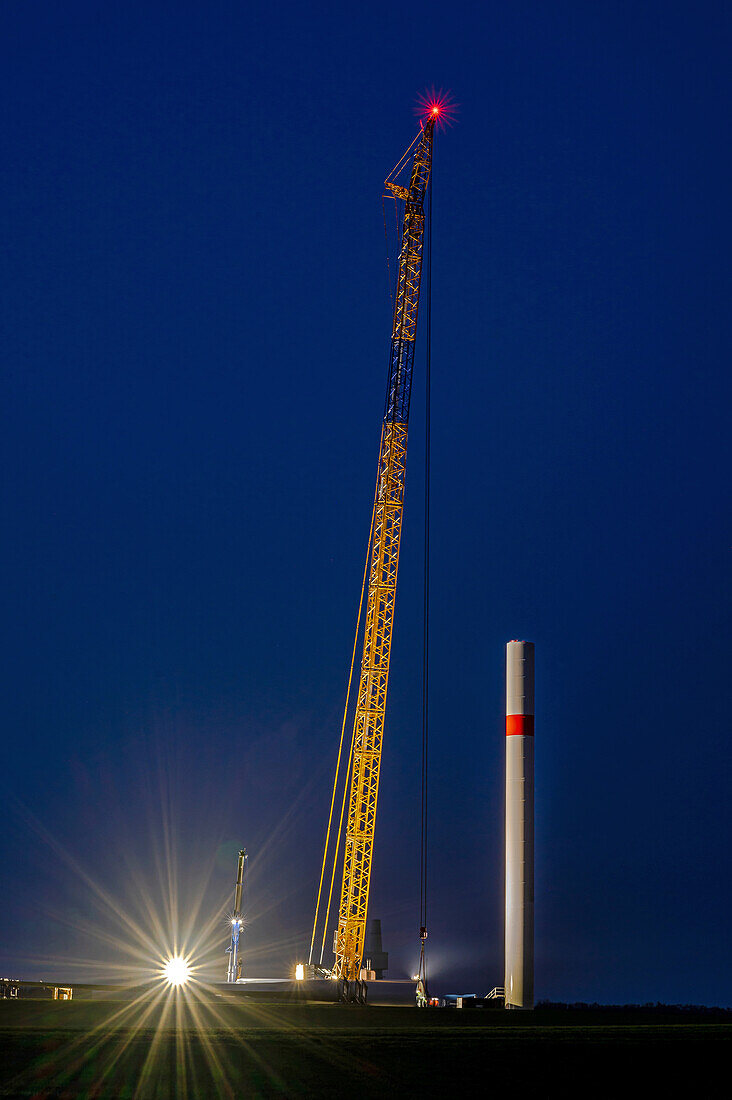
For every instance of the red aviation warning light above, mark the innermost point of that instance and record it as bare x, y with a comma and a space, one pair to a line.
438, 106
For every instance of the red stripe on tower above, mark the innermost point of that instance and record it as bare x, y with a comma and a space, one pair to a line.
519, 725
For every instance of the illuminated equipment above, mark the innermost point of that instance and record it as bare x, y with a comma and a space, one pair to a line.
176, 970
234, 968
362, 774
519, 943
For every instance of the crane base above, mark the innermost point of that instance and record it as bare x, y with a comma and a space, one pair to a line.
352, 993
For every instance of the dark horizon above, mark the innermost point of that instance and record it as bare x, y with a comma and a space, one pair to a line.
196, 322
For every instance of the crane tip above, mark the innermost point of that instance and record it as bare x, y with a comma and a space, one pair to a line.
438, 107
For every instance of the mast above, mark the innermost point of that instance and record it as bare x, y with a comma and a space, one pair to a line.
234, 967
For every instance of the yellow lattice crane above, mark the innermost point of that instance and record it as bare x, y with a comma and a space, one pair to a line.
362, 778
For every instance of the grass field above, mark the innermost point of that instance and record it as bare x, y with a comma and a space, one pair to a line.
105, 1050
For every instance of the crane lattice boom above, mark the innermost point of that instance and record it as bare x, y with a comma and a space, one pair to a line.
368, 726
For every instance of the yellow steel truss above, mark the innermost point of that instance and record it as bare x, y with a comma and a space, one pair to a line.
361, 786
368, 729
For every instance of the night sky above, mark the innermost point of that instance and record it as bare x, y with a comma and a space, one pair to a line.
196, 322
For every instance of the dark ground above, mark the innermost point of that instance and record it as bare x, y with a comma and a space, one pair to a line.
95, 1050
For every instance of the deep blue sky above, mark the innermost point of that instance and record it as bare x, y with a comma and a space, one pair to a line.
196, 322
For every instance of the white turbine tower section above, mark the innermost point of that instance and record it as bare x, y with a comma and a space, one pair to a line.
519, 942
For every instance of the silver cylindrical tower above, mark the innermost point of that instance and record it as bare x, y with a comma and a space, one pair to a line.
519, 942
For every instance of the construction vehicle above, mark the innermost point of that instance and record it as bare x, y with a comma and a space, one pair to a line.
361, 783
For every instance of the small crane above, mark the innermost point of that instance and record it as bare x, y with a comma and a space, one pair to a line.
234, 969
362, 777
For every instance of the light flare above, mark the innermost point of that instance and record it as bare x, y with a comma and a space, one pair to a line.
439, 106
135, 924
176, 970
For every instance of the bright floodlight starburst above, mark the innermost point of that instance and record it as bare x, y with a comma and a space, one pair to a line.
176, 970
